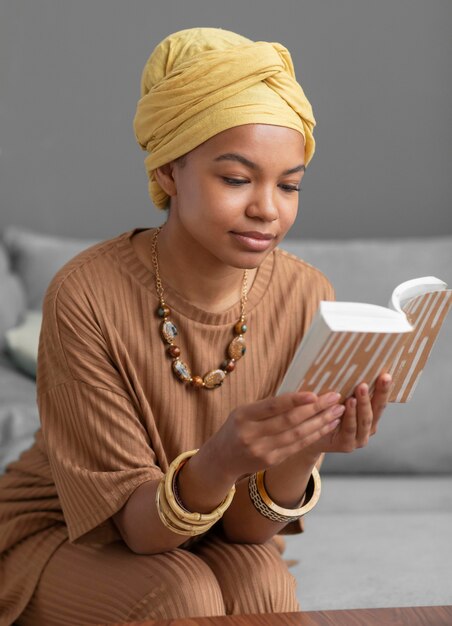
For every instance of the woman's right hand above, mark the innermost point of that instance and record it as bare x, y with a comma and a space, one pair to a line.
261, 434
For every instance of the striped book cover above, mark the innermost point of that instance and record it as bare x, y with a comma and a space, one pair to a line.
343, 349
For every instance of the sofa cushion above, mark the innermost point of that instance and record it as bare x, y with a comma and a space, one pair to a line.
412, 437
12, 297
18, 412
375, 542
36, 258
22, 342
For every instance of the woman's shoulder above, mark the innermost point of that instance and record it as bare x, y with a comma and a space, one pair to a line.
97, 264
299, 273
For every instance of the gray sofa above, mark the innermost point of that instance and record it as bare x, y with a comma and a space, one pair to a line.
381, 533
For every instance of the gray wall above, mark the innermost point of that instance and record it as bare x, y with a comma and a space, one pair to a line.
377, 74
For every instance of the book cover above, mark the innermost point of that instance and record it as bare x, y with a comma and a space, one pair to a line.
350, 343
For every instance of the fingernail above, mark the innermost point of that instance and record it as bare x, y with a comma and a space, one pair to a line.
352, 403
364, 389
386, 380
333, 397
338, 410
334, 424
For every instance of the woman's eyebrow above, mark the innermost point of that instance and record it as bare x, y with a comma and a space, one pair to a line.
233, 156
294, 170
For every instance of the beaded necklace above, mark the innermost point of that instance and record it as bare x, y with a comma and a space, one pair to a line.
168, 331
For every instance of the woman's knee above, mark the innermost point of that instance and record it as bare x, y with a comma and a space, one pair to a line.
185, 587
253, 578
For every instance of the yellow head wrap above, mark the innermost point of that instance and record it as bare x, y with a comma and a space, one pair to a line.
202, 81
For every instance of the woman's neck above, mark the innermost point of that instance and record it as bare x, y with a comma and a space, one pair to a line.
211, 286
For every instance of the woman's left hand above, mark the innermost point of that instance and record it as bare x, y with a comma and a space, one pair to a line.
359, 421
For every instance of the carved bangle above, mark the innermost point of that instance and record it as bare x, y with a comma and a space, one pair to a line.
269, 509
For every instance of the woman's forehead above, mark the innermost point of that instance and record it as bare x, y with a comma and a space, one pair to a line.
253, 142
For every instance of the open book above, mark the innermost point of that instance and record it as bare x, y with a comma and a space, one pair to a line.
349, 343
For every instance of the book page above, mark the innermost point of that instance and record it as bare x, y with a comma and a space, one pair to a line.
426, 314
410, 289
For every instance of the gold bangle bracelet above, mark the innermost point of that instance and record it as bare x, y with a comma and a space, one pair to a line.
265, 505
182, 513
171, 521
171, 511
174, 519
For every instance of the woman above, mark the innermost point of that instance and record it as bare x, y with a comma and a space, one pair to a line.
166, 467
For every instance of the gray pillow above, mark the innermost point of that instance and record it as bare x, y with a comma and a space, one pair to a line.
18, 412
12, 297
414, 437
22, 342
36, 258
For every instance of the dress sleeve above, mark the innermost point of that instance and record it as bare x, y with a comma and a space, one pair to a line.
95, 438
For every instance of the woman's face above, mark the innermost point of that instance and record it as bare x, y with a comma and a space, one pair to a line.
236, 195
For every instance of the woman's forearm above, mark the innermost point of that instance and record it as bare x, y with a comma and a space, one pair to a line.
139, 524
285, 483
202, 487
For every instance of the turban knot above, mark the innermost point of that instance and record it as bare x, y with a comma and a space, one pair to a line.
202, 81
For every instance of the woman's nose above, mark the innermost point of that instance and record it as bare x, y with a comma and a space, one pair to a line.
262, 206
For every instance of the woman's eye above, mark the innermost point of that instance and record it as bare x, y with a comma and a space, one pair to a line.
290, 188
236, 182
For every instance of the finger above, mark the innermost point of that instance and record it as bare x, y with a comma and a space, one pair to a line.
325, 407
364, 415
308, 429
380, 399
269, 407
307, 440
347, 432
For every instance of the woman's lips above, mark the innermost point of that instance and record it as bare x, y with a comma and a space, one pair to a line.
254, 240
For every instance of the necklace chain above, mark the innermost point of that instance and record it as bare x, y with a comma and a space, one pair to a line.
168, 331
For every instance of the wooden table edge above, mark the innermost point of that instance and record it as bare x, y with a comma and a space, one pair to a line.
435, 615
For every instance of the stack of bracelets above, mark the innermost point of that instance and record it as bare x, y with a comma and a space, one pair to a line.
179, 520
173, 513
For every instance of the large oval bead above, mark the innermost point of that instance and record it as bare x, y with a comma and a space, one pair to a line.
181, 370
168, 331
237, 348
214, 379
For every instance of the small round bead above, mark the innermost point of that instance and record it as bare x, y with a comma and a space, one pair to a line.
230, 366
174, 351
197, 381
240, 328
163, 311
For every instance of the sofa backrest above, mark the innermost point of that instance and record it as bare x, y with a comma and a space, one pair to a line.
35, 259
12, 296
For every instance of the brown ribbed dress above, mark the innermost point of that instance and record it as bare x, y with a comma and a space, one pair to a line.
112, 413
